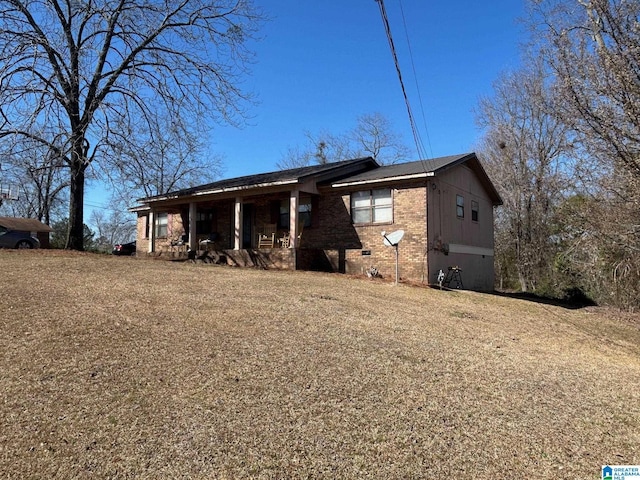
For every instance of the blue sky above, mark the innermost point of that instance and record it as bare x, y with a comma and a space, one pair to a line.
321, 64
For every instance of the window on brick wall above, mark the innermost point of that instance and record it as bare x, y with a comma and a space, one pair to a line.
162, 222
145, 226
304, 212
205, 220
459, 206
474, 210
372, 206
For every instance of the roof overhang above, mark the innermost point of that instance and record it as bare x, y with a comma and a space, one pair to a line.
302, 179
140, 208
219, 191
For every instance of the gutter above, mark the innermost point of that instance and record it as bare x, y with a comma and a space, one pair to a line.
219, 190
386, 179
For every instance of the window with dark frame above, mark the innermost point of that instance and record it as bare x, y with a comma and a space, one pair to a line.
283, 219
459, 206
204, 222
372, 206
474, 210
304, 212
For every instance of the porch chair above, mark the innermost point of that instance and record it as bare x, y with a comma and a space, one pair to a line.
285, 241
267, 238
179, 243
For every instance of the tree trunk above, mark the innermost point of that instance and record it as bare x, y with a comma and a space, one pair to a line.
75, 238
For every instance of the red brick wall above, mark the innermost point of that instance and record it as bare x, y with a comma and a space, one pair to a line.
409, 214
142, 240
334, 231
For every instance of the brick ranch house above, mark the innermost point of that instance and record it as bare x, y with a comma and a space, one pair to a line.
330, 217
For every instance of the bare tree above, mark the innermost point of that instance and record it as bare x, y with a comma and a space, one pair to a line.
167, 156
323, 147
372, 136
87, 73
112, 227
591, 46
36, 172
524, 149
375, 137
600, 251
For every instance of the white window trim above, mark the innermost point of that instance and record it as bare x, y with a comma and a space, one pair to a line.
371, 207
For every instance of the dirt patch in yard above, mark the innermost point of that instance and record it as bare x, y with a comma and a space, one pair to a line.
123, 367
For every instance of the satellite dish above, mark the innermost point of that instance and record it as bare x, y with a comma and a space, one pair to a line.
393, 239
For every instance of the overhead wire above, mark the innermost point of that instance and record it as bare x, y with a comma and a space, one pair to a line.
415, 77
414, 130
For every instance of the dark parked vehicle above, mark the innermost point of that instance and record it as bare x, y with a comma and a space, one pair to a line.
124, 248
17, 239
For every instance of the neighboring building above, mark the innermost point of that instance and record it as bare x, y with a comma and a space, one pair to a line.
29, 226
331, 216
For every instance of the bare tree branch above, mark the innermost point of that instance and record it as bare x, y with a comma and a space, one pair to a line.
106, 68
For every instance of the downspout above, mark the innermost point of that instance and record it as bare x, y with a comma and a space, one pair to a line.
425, 257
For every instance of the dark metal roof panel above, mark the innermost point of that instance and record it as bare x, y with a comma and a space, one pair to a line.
427, 168
294, 175
400, 170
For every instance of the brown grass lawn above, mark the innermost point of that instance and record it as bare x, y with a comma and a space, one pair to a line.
122, 367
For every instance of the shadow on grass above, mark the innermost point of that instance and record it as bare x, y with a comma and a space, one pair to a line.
573, 300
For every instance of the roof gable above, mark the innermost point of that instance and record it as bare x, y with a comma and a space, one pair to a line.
403, 172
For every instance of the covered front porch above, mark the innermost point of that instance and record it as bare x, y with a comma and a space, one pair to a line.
267, 219
273, 222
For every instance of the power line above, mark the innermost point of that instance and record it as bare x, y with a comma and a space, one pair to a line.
97, 205
415, 77
414, 129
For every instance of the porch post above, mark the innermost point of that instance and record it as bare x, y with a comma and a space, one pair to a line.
193, 241
293, 218
237, 244
152, 232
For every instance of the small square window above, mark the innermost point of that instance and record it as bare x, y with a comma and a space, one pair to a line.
459, 206
474, 210
372, 206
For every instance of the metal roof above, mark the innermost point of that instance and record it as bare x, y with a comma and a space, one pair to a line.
421, 169
339, 174
281, 177
424, 168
